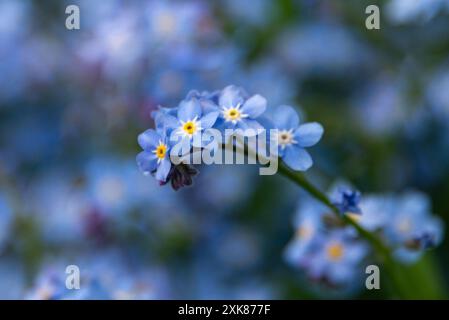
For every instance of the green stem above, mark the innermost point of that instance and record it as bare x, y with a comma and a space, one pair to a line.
399, 283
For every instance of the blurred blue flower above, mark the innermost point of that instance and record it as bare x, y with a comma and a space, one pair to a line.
103, 277
437, 94
381, 106
172, 22
308, 223
255, 13
411, 227
59, 206
301, 49
12, 278
347, 201
155, 158
336, 259
50, 285
375, 211
115, 186
403, 11
292, 138
267, 76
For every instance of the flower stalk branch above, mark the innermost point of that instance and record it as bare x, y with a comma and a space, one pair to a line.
382, 251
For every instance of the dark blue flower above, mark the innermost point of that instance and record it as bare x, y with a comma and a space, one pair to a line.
347, 201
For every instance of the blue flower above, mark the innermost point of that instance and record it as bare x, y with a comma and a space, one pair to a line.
161, 118
403, 11
412, 228
336, 258
190, 122
308, 223
292, 138
375, 211
155, 157
347, 201
238, 111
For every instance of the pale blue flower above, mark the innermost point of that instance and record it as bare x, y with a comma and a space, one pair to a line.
293, 138
155, 159
336, 259
403, 11
238, 110
190, 123
375, 211
411, 227
308, 223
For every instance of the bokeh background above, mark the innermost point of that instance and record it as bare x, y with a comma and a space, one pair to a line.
73, 102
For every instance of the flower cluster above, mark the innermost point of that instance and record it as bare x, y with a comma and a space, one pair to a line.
333, 254
231, 108
404, 222
104, 277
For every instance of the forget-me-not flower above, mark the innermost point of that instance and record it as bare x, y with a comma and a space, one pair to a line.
347, 201
293, 138
375, 211
411, 227
336, 258
190, 122
155, 157
308, 223
238, 110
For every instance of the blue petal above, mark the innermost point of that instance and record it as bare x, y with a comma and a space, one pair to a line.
309, 134
249, 124
163, 169
230, 97
147, 161
208, 106
170, 122
180, 145
149, 139
285, 118
407, 256
255, 106
189, 109
209, 120
297, 158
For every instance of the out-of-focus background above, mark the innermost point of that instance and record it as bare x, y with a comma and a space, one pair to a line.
73, 102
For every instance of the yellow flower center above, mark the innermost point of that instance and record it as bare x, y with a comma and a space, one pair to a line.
160, 151
335, 251
232, 114
189, 127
